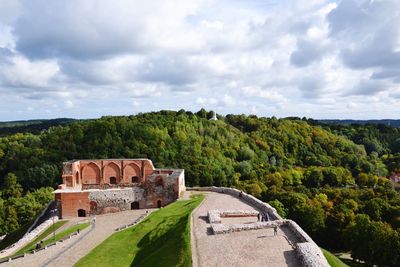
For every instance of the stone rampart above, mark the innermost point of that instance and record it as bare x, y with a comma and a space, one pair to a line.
308, 252
28, 237
249, 199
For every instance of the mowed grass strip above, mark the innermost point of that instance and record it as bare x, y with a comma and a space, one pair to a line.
65, 233
48, 231
333, 260
162, 239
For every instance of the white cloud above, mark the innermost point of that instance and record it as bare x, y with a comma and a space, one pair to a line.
278, 58
17, 71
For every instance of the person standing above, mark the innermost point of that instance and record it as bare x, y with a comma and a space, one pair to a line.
275, 230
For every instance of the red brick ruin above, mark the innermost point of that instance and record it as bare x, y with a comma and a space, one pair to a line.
110, 185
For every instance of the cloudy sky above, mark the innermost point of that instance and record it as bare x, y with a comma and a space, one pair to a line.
313, 58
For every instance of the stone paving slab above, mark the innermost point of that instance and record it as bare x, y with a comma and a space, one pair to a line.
249, 248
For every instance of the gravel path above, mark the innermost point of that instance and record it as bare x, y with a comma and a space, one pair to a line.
71, 250
248, 248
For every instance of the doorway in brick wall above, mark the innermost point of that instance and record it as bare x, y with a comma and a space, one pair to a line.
81, 213
135, 205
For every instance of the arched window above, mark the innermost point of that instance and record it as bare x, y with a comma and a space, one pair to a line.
135, 179
77, 178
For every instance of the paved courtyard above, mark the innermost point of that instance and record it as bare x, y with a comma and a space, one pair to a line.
247, 248
70, 251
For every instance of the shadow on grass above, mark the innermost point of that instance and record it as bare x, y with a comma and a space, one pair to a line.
165, 245
352, 263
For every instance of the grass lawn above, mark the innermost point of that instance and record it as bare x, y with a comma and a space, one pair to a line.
162, 239
30, 246
65, 233
333, 260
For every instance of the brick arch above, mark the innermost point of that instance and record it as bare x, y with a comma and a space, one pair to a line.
77, 178
131, 170
111, 170
91, 174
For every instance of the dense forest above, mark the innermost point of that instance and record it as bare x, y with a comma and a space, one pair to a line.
331, 179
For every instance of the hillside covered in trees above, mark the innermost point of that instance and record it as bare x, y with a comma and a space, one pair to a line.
331, 179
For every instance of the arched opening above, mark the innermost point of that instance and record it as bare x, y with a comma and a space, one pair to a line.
111, 172
77, 177
135, 179
131, 170
93, 205
159, 204
159, 182
91, 174
81, 213
68, 181
135, 205
113, 180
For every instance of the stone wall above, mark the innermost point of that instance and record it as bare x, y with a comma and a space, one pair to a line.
115, 200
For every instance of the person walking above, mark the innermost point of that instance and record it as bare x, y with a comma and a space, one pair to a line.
275, 230
258, 217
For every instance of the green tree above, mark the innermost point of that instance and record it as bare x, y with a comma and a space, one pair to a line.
280, 208
11, 187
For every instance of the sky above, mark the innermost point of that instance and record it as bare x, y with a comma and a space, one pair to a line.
313, 58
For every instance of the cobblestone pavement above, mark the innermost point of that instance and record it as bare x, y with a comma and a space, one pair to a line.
247, 248
71, 250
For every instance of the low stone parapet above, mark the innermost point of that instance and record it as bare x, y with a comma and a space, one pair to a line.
214, 217
311, 255
219, 228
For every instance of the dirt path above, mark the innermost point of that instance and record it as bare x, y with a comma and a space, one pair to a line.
70, 251
248, 248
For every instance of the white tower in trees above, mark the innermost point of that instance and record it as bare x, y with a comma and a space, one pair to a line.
214, 117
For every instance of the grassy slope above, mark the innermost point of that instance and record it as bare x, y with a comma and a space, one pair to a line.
65, 233
162, 239
333, 260
32, 244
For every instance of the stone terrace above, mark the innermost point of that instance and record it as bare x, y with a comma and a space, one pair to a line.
247, 248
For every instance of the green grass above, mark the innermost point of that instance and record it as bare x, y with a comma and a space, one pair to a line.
14, 236
333, 260
162, 239
65, 233
30, 246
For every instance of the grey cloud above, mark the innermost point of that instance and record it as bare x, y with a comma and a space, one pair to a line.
74, 29
311, 87
348, 16
172, 71
367, 34
387, 74
306, 53
367, 87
